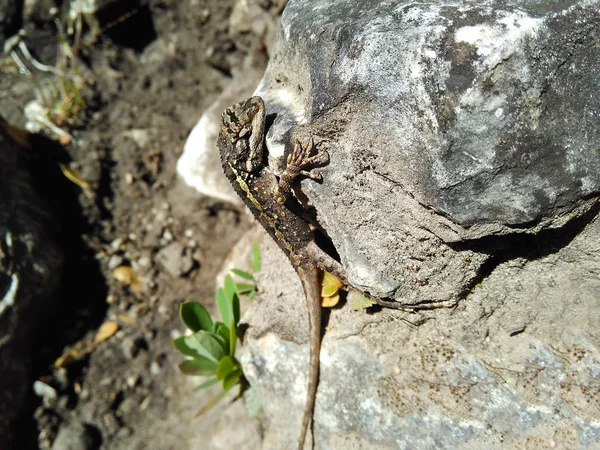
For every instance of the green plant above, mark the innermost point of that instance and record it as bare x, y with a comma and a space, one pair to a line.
211, 346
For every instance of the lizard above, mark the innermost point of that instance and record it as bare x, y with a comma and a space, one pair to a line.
241, 144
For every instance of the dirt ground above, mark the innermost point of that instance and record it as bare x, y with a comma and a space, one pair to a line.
153, 69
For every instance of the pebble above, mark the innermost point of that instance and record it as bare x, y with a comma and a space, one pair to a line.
175, 259
116, 244
154, 368
115, 261
44, 390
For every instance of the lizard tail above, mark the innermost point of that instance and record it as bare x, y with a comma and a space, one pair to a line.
312, 290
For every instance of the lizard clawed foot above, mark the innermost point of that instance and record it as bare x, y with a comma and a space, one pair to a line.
306, 157
301, 161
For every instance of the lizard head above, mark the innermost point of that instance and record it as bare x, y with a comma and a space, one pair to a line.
241, 140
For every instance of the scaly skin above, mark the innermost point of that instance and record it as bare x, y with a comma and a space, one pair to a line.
241, 145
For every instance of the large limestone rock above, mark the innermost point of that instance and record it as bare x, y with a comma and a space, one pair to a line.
446, 123
465, 169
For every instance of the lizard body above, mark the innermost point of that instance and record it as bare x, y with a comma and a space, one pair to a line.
242, 149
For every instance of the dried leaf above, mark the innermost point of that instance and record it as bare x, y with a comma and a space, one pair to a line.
126, 275
106, 330
74, 353
74, 176
331, 301
126, 319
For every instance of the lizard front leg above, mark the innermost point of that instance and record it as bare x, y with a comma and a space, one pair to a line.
300, 162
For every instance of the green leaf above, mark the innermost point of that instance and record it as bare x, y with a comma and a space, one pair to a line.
207, 383
181, 345
234, 299
195, 317
255, 263
198, 366
235, 306
225, 367
231, 379
244, 288
224, 333
224, 306
252, 294
358, 301
232, 338
230, 288
253, 403
242, 274
208, 345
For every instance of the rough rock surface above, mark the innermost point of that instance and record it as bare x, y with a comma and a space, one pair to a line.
515, 365
464, 170
30, 264
446, 123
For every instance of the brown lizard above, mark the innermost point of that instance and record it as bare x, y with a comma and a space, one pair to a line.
242, 148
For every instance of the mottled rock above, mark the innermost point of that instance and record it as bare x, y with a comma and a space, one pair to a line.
444, 379
446, 123
465, 170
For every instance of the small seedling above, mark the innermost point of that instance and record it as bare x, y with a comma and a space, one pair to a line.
211, 346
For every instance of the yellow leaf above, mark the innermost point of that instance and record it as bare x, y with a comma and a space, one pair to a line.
126, 275
331, 284
74, 176
75, 352
330, 301
106, 330
126, 319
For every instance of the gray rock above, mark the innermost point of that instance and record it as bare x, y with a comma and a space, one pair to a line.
443, 379
77, 436
176, 259
446, 123
30, 267
465, 164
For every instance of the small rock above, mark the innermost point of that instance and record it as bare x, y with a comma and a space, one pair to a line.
116, 244
144, 262
115, 261
132, 380
129, 348
124, 432
175, 259
167, 235
77, 436
154, 368
43, 390
160, 216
